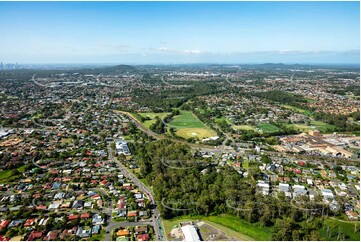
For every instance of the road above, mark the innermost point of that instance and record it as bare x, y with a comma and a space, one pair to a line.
157, 223
172, 85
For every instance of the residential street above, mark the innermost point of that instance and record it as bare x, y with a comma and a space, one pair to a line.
156, 220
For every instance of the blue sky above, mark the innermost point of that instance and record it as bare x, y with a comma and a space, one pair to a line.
180, 32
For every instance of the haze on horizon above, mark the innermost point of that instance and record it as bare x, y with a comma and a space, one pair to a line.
180, 32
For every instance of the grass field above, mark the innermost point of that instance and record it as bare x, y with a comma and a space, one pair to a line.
347, 228
353, 97
148, 123
37, 116
66, 140
6, 174
186, 119
255, 231
188, 125
98, 237
298, 110
323, 127
245, 164
267, 128
201, 133
310, 100
243, 127
302, 127
221, 119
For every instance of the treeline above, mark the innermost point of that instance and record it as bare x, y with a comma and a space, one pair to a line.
170, 116
158, 102
181, 189
282, 97
158, 127
354, 89
166, 100
340, 121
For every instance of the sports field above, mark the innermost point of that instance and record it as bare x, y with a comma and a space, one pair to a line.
244, 127
298, 110
188, 125
301, 127
323, 127
267, 128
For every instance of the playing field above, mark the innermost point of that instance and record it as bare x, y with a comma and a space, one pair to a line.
267, 128
243, 127
186, 119
298, 110
301, 127
188, 125
323, 127
201, 133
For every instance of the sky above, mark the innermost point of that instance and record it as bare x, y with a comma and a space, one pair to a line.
179, 32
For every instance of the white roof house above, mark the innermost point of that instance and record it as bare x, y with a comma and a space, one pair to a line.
190, 233
327, 193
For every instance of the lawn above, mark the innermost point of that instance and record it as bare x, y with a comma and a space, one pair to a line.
298, 110
244, 127
66, 140
6, 174
38, 116
245, 164
254, 231
301, 127
98, 237
152, 116
310, 100
267, 128
186, 119
188, 125
145, 182
221, 119
347, 228
200, 133
323, 127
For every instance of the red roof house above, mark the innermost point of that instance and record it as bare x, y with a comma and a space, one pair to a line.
34, 235
143, 237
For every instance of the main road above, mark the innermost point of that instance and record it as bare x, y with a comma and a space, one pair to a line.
157, 223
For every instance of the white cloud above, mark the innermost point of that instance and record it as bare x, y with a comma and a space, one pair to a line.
174, 51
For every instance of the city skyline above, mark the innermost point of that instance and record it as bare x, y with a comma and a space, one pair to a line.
180, 32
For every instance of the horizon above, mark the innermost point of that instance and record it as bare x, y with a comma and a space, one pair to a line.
148, 33
180, 64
